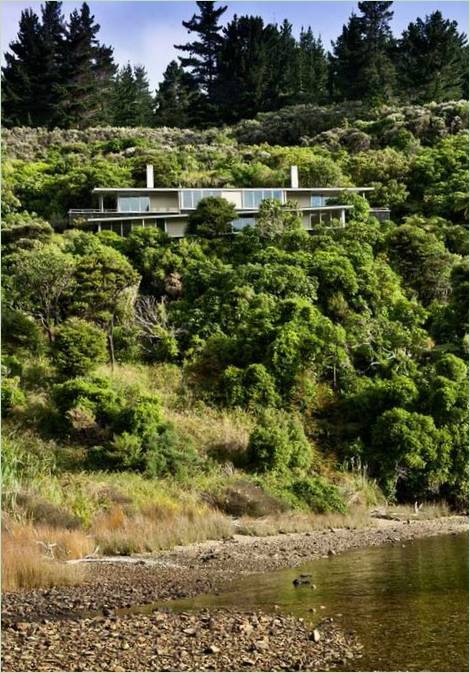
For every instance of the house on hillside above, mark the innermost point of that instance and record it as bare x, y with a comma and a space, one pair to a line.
170, 208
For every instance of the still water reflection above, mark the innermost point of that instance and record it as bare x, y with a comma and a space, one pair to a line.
408, 604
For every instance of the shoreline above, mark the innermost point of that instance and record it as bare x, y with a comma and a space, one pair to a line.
32, 618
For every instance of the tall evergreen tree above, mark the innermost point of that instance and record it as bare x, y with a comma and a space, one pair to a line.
203, 52
132, 102
20, 73
432, 58
282, 61
312, 69
144, 99
52, 44
243, 68
33, 75
88, 70
175, 97
361, 63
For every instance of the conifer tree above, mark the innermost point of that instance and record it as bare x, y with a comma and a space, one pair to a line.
20, 73
132, 101
312, 65
32, 75
243, 68
431, 60
88, 70
175, 97
203, 52
361, 63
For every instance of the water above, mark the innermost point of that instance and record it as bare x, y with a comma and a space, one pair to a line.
408, 604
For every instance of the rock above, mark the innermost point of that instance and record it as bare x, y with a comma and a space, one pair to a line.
301, 580
331, 552
315, 636
212, 649
189, 632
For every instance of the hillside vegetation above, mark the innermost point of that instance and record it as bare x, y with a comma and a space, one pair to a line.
152, 386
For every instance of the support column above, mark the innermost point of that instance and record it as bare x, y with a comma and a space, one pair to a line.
101, 201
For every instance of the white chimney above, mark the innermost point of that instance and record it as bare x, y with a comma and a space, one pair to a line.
150, 184
294, 177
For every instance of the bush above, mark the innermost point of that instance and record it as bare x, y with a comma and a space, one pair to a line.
278, 443
12, 395
251, 387
169, 453
319, 494
212, 217
78, 348
94, 396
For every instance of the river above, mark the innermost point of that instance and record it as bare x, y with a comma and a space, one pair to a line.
408, 603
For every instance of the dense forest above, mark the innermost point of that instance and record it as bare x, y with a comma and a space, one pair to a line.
152, 386
58, 73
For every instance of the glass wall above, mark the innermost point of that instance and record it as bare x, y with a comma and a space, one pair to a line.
318, 201
133, 204
253, 198
192, 197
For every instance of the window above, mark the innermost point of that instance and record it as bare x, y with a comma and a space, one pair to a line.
253, 198
191, 197
133, 204
317, 201
242, 222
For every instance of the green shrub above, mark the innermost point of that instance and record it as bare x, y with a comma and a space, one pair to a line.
319, 494
278, 443
251, 387
12, 395
169, 453
95, 395
212, 217
78, 348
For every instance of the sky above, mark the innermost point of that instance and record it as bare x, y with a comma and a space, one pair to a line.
144, 32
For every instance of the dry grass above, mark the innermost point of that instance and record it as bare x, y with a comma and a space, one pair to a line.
423, 512
155, 528
33, 558
297, 522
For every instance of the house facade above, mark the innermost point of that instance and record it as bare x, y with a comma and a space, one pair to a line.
170, 208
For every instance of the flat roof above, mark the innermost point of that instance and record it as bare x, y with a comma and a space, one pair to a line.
98, 190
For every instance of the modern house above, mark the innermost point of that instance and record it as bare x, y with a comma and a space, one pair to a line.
170, 208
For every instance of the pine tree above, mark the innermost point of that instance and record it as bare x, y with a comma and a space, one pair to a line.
20, 73
132, 102
431, 60
88, 69
361, 66
175, 97
51, 48
203, 53
284, 76
143, 97
32, 75
346, 61
377, 78
123, 102
312, 65
243, 68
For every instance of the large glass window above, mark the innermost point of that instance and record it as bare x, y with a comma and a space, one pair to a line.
253, 198
191, 197
317, 201
133, 204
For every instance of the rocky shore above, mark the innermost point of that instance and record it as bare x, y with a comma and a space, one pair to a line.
78, 628
219, 640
